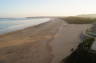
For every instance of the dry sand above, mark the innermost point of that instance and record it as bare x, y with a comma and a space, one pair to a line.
46, 43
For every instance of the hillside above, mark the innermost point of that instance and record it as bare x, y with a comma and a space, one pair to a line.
88, 15
79, 20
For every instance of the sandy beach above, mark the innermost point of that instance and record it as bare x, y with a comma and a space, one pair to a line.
45, 43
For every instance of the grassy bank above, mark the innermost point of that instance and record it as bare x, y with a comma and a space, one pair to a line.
79, 20
81, 55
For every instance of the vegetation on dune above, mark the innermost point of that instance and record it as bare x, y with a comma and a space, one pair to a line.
81, 55
79, 20
87, 43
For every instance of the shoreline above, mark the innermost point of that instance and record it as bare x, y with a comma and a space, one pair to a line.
18, 30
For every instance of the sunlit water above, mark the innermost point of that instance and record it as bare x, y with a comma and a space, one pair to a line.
13, 25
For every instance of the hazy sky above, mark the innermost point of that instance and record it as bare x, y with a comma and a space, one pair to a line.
23, 8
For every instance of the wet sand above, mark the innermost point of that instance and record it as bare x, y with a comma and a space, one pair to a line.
46, 43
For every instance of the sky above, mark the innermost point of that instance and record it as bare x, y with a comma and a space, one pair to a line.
28, 8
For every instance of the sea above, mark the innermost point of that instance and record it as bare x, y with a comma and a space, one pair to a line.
10, 25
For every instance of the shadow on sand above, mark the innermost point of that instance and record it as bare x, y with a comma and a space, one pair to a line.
80, 56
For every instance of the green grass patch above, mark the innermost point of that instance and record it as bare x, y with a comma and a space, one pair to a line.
87, 43
79, 20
